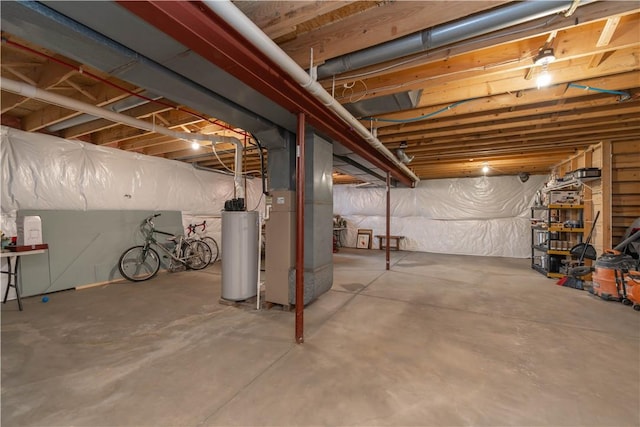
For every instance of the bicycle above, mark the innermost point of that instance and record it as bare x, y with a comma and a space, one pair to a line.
142, 262
192, 229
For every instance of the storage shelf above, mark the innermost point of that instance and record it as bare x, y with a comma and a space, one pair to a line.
575, 182
565, 230
551, 251
560, 206
541, 254
557, 206
546, 273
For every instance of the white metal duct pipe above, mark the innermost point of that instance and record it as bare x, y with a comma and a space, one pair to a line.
445, 34
234, 17
29, 91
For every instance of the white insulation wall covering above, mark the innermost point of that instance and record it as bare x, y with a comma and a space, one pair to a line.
45, 172
486, 216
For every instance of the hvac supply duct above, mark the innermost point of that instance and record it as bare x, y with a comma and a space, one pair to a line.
29, 91
243, 25
445, 34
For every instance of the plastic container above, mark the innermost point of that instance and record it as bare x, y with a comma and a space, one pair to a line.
29, 230
608, 277
632, 286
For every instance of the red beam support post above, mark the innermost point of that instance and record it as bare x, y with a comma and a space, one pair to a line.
300, 230
388, 216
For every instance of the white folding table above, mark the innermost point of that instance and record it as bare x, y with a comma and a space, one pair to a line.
12, 273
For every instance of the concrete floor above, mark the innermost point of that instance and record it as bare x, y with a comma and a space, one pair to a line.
439, 340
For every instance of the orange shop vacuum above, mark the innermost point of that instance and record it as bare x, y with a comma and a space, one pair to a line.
614, 274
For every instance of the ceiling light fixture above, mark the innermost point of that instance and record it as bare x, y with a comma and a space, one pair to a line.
485, 168
194, 145
544, 58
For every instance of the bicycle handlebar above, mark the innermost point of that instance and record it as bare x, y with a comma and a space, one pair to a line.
148, 220
191, 229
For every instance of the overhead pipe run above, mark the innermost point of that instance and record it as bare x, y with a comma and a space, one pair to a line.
243, 25
29, 91
446, 34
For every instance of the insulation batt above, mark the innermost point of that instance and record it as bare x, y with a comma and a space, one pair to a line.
45, 172
485, 216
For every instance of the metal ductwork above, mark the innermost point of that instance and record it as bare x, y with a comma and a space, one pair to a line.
446, 34
385, 104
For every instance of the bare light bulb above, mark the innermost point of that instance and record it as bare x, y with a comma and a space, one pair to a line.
195, 145
544, 79
485, 169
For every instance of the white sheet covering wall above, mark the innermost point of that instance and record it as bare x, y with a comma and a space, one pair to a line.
45, 172
486, 216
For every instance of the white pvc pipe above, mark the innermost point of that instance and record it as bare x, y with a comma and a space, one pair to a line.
239, 21
29, 91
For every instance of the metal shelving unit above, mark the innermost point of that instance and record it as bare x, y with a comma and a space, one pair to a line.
551, 240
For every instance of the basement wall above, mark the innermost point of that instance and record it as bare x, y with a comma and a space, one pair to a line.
484, 216
43, 172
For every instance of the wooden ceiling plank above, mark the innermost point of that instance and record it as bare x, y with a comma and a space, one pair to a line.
138, 112
617, 113
9, 101
483, 117
81, 90
577, 140
277, 18
607, 32
391, 20
503, 78
520, 137
584, 15
53, 73
120, 133
518, 99
19, 74
53, 114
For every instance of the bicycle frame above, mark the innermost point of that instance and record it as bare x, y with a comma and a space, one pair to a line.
150, 239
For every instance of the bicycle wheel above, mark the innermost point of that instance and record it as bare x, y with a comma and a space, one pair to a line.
138, 264
214, 248
197, 255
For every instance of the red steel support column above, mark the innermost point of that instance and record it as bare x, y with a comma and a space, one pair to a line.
388, 215
300, 230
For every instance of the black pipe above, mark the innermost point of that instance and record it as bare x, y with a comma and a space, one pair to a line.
262, 174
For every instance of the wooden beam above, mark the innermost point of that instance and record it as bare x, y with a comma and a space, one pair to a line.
96, 125
608, 30
276, 19
9, 101
19, 74
391, 20
54, 73
441, 86
54, 114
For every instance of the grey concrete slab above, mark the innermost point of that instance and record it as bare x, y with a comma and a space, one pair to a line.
438, 340
384, 362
